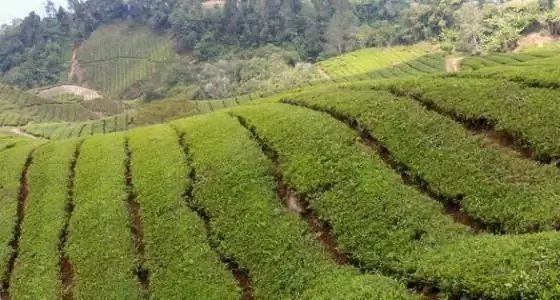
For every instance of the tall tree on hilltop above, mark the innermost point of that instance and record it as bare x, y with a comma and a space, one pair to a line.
340, 25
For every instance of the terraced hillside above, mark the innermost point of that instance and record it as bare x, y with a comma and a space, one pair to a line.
504, 59
146, 114
371, 59
420, 188
19, 108
119, 55
541, 72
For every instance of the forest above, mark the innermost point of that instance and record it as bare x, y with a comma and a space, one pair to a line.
35, 50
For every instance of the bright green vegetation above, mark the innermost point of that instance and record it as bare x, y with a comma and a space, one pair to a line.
106, 43
426, 64
536, 73
120, 122
12, 162
437, 182
232, 182
150, 113
531, 114
370, 59
495, 193
499, 59
36, 273
492, 267
111, 65
99, 240
370, 230
177, 252
414, 242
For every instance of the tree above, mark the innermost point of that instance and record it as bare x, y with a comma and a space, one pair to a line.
340, 26
470, 34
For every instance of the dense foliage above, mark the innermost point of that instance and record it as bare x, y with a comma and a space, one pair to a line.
35, 51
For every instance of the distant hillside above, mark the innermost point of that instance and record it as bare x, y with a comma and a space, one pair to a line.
18, 107
371, 59
117, 56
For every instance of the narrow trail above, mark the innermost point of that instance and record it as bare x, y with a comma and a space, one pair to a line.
486, 128
19, 132
14, 242
136, 229
297, 203
453, 64
75, 68
322, 230
323, 73
65, 264
451, 203
240, 274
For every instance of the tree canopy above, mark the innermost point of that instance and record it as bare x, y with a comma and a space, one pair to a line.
34, 51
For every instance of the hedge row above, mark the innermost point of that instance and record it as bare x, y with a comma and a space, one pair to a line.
179, 259
12, 162
365, 60
493, 267
373, 215
235, 187
545, 76
99, 241
530, 114
37, 272
493, 182
460, 265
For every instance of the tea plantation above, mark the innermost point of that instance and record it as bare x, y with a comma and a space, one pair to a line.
398, 183
434, 187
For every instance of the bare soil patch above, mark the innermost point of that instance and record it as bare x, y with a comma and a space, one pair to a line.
86, 93
534, 39
323, 73
453, 64
18, 131
76, 70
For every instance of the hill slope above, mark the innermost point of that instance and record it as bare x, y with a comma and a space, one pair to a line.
116, 56
397, 189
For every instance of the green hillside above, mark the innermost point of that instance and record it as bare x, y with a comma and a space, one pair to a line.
18, 107
409, 188
371, 59
116, 56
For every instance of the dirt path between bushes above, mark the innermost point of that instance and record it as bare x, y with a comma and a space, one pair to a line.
453, 64
75, 67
